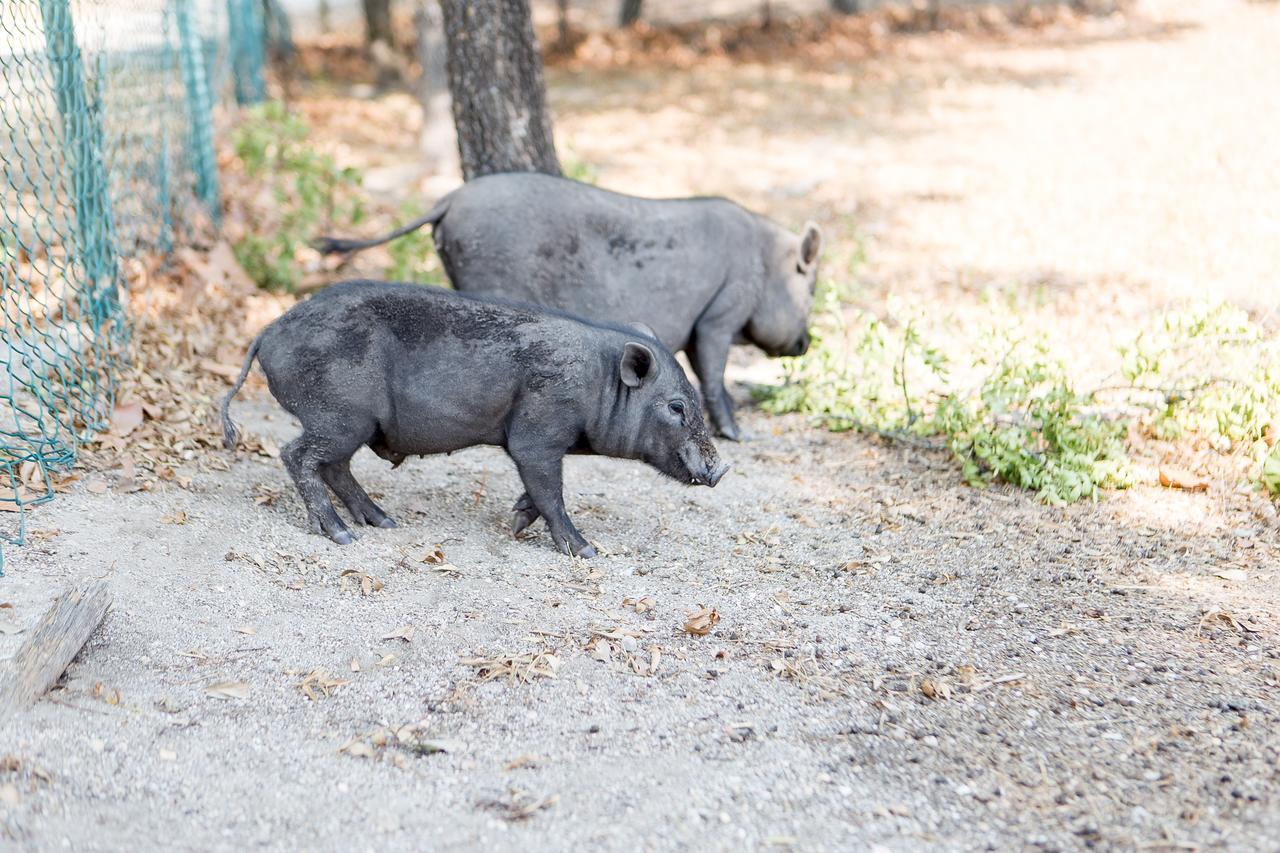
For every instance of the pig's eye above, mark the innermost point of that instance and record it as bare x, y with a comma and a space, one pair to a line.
676, 407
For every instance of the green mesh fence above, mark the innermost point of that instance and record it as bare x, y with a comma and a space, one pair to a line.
106, 150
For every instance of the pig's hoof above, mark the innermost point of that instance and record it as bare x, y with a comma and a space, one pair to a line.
521, 519
386, 523
731, 433
588, 552
342, 537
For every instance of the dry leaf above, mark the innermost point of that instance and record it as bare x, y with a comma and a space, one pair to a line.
935, 689
436, 559
9, 794
226, 371
357, 748
228, 690
179, 517
405, 633
126, 417
525, 760
523, 668
355, 665
701, 622
264, 495
640, 605
1233, 575
245, 629
317, 683
601, 650
520, 806
1172, 477
368, 584
97, 487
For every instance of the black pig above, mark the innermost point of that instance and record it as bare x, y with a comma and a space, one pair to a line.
411, 370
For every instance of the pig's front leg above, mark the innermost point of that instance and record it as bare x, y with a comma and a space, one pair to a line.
709, 354
541, 470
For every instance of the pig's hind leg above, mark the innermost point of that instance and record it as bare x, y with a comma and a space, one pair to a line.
363, 510
523, 514
304, 458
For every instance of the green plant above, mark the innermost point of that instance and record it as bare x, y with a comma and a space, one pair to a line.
308, 190
1018, 417
575, 168
1270, 476
1208, 370
1026, 425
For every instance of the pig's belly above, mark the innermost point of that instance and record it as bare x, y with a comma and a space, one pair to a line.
440, 419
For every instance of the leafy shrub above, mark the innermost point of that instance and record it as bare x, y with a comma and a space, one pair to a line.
1206, 370
1209, 370
308, 192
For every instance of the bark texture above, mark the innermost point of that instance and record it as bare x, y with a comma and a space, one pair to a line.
499, 97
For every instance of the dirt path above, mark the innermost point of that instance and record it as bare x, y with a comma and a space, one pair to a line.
900, 660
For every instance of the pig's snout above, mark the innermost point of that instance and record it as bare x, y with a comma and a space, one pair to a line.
703, 471
801, 345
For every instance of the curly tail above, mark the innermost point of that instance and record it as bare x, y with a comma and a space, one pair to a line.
342, 245
230, 432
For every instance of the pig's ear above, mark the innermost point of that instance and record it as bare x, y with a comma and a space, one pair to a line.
810, 246
644, 330
637, 364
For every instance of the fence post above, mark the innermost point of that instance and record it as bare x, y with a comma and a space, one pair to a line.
82, 139
246, 30
204, 160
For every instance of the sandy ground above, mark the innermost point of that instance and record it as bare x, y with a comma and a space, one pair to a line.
900, 660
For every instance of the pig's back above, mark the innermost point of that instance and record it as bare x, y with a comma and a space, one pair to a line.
434, 369
593, 253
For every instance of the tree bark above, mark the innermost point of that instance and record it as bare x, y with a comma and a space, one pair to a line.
845, 7
499, 97
377, 21
439, 140
629, 13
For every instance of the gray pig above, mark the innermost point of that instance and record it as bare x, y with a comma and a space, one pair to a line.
411, 370
703, 273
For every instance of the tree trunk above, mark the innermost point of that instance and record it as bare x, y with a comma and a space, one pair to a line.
377, 21
845, 7
562, 23
499, 97
629, 13
439, 140
381, 42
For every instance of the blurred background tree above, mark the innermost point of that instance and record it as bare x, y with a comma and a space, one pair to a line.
498, 92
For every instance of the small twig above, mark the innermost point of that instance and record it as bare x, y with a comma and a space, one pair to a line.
902, 372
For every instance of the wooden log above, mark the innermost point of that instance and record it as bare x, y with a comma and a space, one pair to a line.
42, 637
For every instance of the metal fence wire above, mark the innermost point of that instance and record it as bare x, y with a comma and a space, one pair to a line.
106, 138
